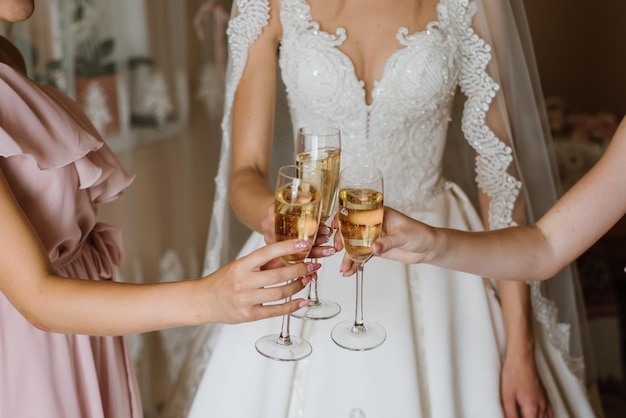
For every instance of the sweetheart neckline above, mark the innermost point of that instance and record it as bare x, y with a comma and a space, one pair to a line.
341, 32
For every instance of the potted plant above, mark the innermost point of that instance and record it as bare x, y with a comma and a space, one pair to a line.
94, 68
94, 58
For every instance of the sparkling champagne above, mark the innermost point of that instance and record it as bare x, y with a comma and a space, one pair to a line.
360, 221
296, 215
326, 161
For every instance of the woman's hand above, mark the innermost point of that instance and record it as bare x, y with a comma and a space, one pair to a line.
267, 226
323, 236
319, 250
402, 239
523, 394
241, 290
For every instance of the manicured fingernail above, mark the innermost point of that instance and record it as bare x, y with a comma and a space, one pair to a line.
300, 245
311, 267
303, 303
323, 230
328, 251
305, 280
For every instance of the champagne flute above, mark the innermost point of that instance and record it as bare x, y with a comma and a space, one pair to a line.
360, 223
296, 215
320, 147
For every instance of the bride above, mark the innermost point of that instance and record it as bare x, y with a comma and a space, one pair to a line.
404, 81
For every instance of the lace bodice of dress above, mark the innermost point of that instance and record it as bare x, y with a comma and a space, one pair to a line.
403, 130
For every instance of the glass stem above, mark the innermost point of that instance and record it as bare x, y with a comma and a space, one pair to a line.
358, 313
284, 338
313, 298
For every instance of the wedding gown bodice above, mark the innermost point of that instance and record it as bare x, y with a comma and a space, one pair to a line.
409, 110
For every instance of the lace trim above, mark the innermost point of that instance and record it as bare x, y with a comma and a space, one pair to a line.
557, 333
491, 164
242, 31
302, 10
298, 27
494, 155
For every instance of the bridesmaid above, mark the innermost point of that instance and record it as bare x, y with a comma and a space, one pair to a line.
57, 264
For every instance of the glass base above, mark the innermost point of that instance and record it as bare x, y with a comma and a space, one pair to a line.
274, 347
323, 309
358, 338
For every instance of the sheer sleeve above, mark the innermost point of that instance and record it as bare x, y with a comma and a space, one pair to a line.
248, 19
504, 122
226, 234
494, 155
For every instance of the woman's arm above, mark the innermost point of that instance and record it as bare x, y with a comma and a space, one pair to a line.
583, 215
234, 293
250, 194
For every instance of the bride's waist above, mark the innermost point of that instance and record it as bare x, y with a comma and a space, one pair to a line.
409, 197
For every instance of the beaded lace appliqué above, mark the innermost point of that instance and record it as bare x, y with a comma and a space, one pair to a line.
494, 155
242, 31
491, 165
402, 131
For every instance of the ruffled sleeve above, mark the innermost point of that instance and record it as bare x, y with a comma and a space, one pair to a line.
44, 124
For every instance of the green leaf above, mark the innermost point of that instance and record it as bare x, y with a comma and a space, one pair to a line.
105, 48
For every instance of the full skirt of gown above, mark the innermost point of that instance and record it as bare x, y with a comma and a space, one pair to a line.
442, 357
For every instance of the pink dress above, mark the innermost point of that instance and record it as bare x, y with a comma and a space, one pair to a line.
59, 170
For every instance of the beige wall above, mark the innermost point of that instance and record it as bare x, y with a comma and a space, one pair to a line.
169, 204
581, 51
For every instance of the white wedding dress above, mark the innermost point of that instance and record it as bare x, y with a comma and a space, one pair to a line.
445, 333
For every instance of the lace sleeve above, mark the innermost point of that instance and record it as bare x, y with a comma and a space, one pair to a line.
514, 153
494, 156
249, 19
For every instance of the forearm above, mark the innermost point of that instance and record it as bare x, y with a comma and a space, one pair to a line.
250, 192
516, 253
517, 316
78, 306
250, 197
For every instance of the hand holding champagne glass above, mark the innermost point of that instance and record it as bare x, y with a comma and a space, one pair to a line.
360, 222
320, 147
296, 215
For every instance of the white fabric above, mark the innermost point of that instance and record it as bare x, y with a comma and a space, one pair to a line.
445, 340
442, 356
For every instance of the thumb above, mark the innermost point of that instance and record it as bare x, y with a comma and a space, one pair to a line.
382, 245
